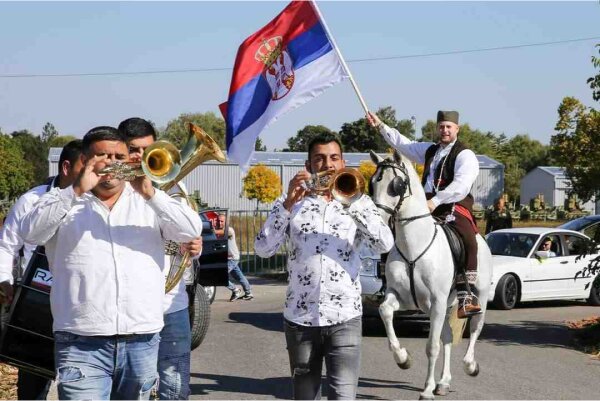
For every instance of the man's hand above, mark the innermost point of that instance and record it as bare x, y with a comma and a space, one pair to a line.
88, 177
194, 247
143, 186
6, 292
296, 189
431, 206
373, 120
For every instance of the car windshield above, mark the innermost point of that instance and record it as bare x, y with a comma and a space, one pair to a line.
578, 224
511, 244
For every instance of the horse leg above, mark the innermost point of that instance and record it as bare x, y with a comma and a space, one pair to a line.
387, 308
443, 386
437, 318
470, 365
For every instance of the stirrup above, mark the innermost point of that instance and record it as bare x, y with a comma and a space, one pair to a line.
468, 306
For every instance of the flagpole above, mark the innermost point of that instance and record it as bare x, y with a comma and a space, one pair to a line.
337, 50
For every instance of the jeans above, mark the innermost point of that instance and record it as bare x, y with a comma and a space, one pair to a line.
32, 387
235, 273
339, 345
174, 357
106, 367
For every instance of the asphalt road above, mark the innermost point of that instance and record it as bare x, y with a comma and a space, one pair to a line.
525, 353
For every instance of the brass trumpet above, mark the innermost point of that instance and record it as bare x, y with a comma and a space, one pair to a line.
346, 185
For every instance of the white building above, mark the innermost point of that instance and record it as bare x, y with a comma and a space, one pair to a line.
220, 185
552, 183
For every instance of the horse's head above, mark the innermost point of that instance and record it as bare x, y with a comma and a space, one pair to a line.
390, 185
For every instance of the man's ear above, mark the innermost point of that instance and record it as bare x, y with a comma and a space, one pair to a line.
65, 167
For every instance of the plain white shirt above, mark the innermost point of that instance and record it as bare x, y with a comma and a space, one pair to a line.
11, 239
107, 263
466, 167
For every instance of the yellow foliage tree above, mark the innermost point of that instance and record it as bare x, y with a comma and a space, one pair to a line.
367, 169
262, 183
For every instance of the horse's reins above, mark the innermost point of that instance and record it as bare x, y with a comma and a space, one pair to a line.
394, 218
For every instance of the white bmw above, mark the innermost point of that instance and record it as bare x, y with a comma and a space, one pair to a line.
540, 263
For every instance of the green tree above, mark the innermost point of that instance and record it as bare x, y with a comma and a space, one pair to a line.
259, 146
177, 132
35, 153
300, 141
595, 80
15, 175
49, 133
60, 141
262, 184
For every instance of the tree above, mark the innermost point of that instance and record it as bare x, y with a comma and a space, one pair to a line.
16, 176
259, 146
595, 80
300, 141
177, 131
60, 141
262, 183
35, 153
359, 136
49, 133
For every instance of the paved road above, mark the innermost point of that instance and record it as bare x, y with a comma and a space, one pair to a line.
525, 353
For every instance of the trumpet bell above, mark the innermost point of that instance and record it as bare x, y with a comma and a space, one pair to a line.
347, 186
161, 162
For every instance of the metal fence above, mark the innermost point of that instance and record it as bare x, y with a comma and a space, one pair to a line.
247, 225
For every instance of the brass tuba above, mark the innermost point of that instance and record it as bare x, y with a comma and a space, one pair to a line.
346, 185
166, 166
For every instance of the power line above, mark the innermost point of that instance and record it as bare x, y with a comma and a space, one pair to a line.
359, 60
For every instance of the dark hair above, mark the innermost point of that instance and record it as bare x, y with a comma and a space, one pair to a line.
102, 133
136, 127
323, 139
70, 152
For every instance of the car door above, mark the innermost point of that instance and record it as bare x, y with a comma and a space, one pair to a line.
576, 246
550, 273
211, 268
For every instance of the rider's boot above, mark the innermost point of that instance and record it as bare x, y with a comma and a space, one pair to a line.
468, 299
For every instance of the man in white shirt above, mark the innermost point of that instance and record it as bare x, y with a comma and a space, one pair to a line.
323, 305
450, 170
175, 344
30, 386
104, 240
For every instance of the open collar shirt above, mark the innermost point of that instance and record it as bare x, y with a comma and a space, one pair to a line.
466, 167
323, 259
107, 264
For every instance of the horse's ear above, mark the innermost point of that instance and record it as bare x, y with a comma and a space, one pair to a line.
375, 157
397, 157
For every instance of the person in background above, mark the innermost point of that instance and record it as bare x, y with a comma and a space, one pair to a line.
13, 249
499, 217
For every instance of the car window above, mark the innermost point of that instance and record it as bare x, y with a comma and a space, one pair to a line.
593, 232
575, 244
555, 249
208, 232
511, 244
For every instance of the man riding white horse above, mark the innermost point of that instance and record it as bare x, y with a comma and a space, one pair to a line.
450, 169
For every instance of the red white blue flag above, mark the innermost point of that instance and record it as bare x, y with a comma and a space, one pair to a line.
288, 62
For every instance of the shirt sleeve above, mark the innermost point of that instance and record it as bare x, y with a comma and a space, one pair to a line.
274, 232
466, 170
373, 231
178, 221
43, 220
11, 240
414, 150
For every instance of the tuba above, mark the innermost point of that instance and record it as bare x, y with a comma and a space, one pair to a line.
166, 166
346, 185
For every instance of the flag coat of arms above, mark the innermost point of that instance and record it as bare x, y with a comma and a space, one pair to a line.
285, 64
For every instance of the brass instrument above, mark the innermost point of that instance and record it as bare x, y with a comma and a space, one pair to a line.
346, 185
166, 166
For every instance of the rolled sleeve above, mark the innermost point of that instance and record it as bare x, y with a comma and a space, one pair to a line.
273, 233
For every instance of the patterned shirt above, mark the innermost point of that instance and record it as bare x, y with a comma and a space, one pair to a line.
323, 262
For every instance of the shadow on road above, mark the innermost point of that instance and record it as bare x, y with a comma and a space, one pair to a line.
278, 387
263, 321
373, 327
364, 382
526, 332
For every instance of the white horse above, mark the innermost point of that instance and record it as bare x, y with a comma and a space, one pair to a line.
397, 191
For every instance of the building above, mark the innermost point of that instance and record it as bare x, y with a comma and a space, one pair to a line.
220, 185
553, 184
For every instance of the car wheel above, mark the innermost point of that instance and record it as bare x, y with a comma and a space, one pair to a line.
594, 298
211, 292
199, 309
507, 292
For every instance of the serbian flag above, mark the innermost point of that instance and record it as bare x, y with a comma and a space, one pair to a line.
288, 62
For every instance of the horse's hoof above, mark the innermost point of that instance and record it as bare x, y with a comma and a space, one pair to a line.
406, 364
475, 371
442, 389
426, 397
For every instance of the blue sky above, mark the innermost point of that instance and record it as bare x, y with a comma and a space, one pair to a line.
511, 91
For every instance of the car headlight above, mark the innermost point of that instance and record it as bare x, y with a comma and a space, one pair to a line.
368, 267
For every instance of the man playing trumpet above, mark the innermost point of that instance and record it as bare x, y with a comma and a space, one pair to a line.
322, 315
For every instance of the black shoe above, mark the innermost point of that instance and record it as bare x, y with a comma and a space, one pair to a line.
235, 294
248, 296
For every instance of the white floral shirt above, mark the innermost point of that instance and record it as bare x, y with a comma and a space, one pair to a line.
323, 262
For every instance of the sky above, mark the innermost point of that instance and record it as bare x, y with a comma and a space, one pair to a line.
512, 91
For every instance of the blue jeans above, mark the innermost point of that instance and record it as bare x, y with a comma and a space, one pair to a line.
106, 367
339, 345
235, 273
174, 357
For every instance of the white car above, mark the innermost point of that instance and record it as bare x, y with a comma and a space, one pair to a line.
524, 271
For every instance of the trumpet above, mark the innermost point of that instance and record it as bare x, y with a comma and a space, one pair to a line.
346, 185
